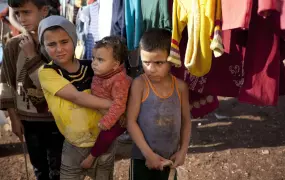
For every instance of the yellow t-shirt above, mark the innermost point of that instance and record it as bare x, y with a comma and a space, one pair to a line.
79, 125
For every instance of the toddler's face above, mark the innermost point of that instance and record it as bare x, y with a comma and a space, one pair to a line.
155, 65
59, 46
103, 61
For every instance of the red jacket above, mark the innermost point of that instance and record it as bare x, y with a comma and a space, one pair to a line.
113, 86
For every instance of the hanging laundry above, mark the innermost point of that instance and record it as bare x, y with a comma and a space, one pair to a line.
105, 18
201, 104
133, 17
87, 28
199, 17
266, 6
282, 67
236, 14
262, 60
216, 38
93, 31
118, 26
155, 14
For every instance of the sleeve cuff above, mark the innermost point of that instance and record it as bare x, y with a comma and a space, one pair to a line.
33, 64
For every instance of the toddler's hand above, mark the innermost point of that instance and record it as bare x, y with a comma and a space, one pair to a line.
87, 162
102, 127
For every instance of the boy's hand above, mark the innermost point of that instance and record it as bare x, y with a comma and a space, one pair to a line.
155, 162
28, 46
178, 158
102, 127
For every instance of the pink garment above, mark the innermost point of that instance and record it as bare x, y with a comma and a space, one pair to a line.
236, 13
282, 10
269, 5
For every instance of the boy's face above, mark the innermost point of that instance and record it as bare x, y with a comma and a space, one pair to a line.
29, 15
59, 46
103, 61
155, 64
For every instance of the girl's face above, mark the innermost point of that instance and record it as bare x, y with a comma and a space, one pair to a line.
59, 46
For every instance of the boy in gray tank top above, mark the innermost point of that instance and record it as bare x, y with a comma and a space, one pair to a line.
158, 112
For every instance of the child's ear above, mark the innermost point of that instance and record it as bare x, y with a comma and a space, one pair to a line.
117, 64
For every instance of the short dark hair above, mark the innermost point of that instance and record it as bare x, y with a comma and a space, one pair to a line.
120, 50
156, 39
20, 3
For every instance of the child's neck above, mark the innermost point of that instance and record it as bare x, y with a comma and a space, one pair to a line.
70, 66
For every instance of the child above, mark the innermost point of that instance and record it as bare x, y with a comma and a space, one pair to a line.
21, 92
110, 81
158, 112
66, 84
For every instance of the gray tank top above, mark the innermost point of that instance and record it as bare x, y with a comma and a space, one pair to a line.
160, 121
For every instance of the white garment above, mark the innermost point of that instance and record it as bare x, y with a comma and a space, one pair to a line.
105, 18
93, 31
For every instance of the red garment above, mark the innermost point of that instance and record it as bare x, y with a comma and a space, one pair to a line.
105, 140
262, 60
282, 67
113, 86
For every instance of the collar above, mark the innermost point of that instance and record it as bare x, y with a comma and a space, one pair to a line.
112, 73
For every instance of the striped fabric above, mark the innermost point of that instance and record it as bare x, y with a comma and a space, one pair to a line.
93, 33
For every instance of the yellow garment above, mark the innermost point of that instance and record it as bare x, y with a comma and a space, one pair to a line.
79, 125
199, 16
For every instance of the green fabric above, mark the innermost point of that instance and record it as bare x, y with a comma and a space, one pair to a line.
155, 14
139, 171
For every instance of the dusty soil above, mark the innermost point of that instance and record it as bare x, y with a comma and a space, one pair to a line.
236, 142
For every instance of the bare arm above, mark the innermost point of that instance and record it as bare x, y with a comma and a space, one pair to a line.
70, 93
186, 121
13, 20
59, 86
133, 110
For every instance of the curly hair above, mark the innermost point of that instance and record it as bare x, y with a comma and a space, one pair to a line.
120, 50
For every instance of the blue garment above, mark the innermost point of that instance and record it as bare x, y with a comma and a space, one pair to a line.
133, 19
118, 27
93, 30
160, 121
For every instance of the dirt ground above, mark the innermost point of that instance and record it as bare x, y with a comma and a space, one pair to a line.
236, 142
